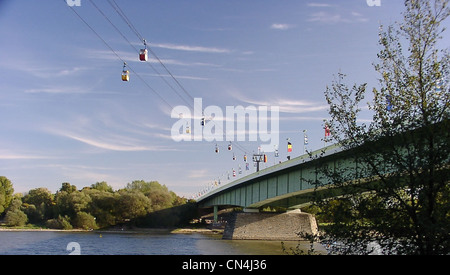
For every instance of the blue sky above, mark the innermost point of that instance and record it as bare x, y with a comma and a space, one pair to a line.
66, 116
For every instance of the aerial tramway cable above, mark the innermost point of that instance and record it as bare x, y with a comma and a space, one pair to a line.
143, 58
138, 51
128, 22
141, 38
118, 56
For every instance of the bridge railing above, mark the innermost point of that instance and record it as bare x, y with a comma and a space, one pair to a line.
305, 158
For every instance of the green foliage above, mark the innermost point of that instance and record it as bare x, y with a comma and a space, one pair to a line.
97, 206
132, 204
103, 206
68, 188
102, 186
85, 221
59, 223
6, 193
15, 216
159, 195
38, 204
401, 200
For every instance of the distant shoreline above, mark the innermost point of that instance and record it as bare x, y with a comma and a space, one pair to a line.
4, 229
134, 230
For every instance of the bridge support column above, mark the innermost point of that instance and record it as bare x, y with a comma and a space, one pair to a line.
216, 209
269, 226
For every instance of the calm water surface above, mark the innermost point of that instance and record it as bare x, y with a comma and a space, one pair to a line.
95, 243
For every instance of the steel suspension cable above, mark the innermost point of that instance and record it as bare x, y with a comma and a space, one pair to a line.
117, 55
126, 39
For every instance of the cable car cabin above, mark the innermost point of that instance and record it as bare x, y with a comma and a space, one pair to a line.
143, 55
125, 75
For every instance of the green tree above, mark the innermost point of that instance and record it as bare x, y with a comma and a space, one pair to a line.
132, 204
402, 198
59, 223
6, 193
160, 197
69, 204
139, 185
38, 205
67, 187
176, 200
103, 207
85, 221
158, 194
14, 215
102, 186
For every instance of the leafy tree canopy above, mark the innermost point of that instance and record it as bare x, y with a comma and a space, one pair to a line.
403, 152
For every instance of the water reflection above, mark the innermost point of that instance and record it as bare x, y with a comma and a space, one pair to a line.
111, 243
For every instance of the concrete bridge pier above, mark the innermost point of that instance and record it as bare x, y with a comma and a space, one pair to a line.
216, 210
253, 225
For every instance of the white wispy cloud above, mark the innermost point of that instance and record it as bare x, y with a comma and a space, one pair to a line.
190, 48
330, 17
359, 17
319, 5
45, 72
133, 58
181, 76
13, 155
18, 156
69, 72
198, 174
183, 63
105, 143
286, 105
57, 90
108, 55
333, 18
327, 17
283, 27
107, 133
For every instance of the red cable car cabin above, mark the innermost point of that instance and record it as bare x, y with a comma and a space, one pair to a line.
143, 55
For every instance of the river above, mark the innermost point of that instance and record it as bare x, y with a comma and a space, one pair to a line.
132, 243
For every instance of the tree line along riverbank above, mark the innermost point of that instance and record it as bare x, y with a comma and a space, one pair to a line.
140, 203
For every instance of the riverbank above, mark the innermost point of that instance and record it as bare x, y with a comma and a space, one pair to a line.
197, 230
6, 229
123, 230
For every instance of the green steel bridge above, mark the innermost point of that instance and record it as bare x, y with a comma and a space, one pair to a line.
288, 184
291, 184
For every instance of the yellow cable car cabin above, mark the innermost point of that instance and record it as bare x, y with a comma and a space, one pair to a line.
125, 73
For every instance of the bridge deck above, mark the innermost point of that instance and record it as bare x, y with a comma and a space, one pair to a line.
291, 183
284, 184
